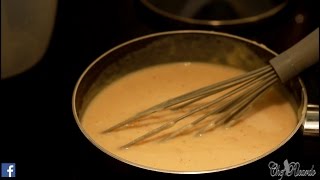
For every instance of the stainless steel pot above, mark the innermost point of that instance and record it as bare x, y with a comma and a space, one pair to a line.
216, 13
187, 45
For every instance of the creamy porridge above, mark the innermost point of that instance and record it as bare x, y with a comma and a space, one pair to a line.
267, 123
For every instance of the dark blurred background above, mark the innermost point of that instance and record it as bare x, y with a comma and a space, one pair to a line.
38, 131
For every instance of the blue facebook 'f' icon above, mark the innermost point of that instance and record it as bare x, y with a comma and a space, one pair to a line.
8, 170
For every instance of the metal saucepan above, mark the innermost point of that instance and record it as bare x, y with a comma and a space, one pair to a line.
187, 45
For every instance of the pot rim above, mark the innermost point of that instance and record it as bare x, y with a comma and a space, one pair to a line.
301, 117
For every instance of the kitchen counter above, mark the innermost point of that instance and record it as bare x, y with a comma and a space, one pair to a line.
38, 131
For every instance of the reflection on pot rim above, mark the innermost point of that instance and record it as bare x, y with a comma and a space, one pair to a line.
189, 10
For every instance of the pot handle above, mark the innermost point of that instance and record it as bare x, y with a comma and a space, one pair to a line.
311, 123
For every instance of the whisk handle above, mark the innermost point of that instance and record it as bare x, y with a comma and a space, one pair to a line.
297, 58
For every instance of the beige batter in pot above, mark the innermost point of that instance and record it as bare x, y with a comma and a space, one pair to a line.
267, 123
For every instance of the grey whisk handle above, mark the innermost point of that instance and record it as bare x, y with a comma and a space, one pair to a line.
297, 58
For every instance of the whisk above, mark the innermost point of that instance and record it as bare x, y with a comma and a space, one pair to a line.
244, 89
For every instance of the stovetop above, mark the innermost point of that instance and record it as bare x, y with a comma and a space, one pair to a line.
38, 131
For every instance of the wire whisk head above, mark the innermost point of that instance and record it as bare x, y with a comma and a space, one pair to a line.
235, 96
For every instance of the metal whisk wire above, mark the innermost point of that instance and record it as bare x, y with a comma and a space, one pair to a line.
264, 77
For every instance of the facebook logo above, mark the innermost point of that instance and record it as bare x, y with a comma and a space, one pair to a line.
8, 170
